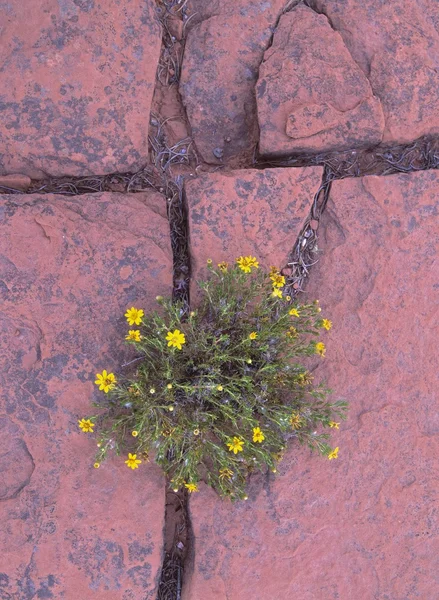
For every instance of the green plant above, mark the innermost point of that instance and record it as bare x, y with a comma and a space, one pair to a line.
219, 393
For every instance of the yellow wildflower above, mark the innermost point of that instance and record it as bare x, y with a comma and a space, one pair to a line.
292, 332
196, 432
277, 293
303, 378
152, 391
288, 298
175, 339
209, 261
334, 425
333, 454
246, 263
249, 361
258, 436
96, 465
169, 386
133, 335
320, 348
253, 335
220, 388
277, 280
192, 487
326, 324
170, 408
296, 421
133, 462
235, 445
223, 266
192, 314
134, 433
168, 431
225, 473
86, 425
294, 312
134, 316
105, 381
159, 299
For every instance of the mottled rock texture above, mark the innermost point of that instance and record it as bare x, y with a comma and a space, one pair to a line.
364, 525
396, 44
224, 48
69, 268
76, 83
15, 181
248, 212
311, 95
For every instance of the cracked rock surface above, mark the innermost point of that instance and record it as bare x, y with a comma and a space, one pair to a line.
231, 79
69, 269
248, 212
396, 44
76, 84
311, 95
365, 525
220, 68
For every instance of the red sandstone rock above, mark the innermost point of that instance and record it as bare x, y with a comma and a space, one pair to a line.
15, 182
248, 212
311, 95
364, 525
69, 269
396, 44
220, 68
76, 85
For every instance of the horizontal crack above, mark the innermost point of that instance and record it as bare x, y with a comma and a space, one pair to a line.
420, 155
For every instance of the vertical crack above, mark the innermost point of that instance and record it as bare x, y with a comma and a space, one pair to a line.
304, 253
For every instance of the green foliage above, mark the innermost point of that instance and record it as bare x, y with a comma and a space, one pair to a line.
224, 404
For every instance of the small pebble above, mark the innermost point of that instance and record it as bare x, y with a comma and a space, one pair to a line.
218, 153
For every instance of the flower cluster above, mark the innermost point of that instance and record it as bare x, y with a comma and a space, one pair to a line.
220, 392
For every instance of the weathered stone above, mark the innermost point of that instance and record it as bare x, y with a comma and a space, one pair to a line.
15, 182
248, 212
220, 68
69, 269
76, 84
364, 525
396, 44
311, 95
16, 466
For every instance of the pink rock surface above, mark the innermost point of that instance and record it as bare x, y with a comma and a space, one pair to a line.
364, 525
220, 68
248, 212
396, 44
76, 85
15, 181
311, 95
69, 269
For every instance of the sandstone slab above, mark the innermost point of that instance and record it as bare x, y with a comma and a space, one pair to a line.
248, 212
69, 269
364, 525
224, 48
76, 83
396, 44
15, 181
311, 95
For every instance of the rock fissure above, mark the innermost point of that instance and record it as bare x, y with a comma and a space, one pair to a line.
192, 205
